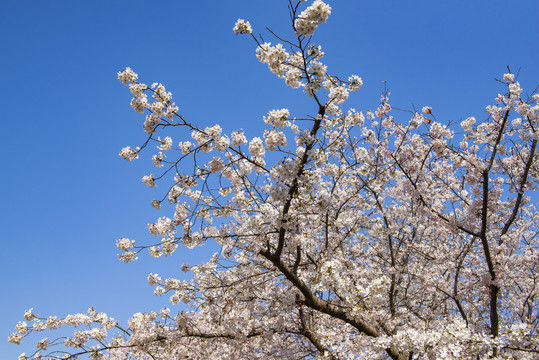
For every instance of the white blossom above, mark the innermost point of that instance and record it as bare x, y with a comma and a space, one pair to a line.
354, 83
156, 204
125, 244
307, 22
256, 148
242, 27
185, 147
153, 279
338, 94
238, 138
127, 76
216, 165
149, 180
129, 154
274, 139
166, 144
29, 315
509, 77
278, 118
157, 159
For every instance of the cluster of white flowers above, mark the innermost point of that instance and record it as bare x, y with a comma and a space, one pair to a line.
129, 154
98, 333
274, 56
22, 327
154, 279
279, 192
161, 94
309, 19
354, 118
152, 120
355, 83
139, 103
509, 78
127, 257
383, 110
29, 315
468, 123
161, 105
156, 204
125, 244
256, 148
127, 76
163, 227
514, 90
137, 89
318, 77
168, 246
274, 139
438, 130
220, 143
388, 122
15, 338
278, 118
216, 165
418, 119
426, 110
298, 72
238, 138
149, 180
318, 69
292, 77
157, 159
242, 27
338, 94
185, 182
214, 132
185, 147
166, 144
200, 137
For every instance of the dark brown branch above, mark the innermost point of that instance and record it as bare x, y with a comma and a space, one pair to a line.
298, 259
295, 182
309, 333
494, 289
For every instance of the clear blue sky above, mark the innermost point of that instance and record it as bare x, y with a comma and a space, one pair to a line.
66, 195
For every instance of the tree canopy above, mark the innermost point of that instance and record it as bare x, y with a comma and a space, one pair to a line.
342, 233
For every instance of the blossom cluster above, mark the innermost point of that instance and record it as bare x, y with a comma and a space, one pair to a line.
129, 154
242, 27
161, 106
307, 22
97, 327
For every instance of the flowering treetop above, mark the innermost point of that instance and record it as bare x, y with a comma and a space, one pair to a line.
342, 234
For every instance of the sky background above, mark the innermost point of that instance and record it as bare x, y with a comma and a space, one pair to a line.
67, 196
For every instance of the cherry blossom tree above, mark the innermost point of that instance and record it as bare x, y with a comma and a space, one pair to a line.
342, 234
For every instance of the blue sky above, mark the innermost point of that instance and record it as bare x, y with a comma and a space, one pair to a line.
67, 196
